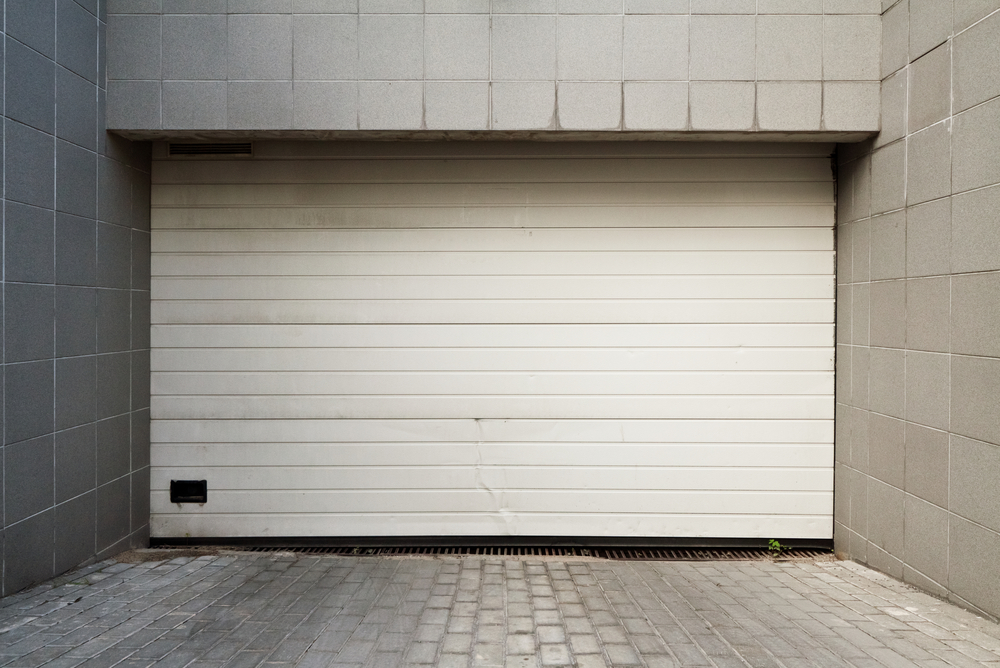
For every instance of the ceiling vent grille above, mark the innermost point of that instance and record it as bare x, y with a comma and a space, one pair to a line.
241, 148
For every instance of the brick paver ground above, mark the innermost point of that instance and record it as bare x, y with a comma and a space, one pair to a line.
279, 610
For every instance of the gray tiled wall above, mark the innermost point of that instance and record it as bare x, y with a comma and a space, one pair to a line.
74, 476
478, 65
918, 316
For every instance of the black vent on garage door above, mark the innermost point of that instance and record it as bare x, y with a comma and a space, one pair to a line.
230, 148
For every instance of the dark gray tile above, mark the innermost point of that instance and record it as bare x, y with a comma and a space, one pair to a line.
28, 548
113, 325
140, 260
75, 461
28, 243
140, 439
76, 250
29, 170
76, 113
115, 190
102, 54
75, 529
76, 180
28, 478
89, 5
76, 321
114, 256
34, 23
30, 87
29, 317
113, 381
76, 35
140, 379
114, 509
140, 499
140, 320
141, 194
76, 385
113, 448
28, 393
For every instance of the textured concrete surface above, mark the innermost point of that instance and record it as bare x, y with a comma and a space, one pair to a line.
242, 610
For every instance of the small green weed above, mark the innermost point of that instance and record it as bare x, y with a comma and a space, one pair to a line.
776, 549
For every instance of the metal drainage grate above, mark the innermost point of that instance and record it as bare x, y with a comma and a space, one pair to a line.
241, 148
620, 554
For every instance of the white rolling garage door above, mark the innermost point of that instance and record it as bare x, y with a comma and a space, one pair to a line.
497, 343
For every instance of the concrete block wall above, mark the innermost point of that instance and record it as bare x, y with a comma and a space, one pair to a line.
509, 65
918, 312
74, 460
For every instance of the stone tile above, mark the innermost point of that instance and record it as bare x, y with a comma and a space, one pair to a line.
32, 23
722, 106
975, 391
893, 109
134, 105
27, 549
976, 50
928, 388
888, 308
887, 381
926, 457
930, 88
589, 48
790, 48
259, 48
259, 105
860, 371
789, 106
929, 238
928, 164
30, 178
975, 145
77, 34
194, 47
390, 105
457, 47
74, 531
885, 518
656, 105
526, 105
928, 314
975, 243
930, 25
657, 6
886, 449
974, 314
851, 47
889, 178
456, 105
325, 47
524, 47
896, 37
722, 7
28, 244
722, 48
325, 105
973, 553
30, 87
589, 105
132, 42
852, 106
76, 385
656, 48
29, 485
76, 113
973, 465
888, 246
